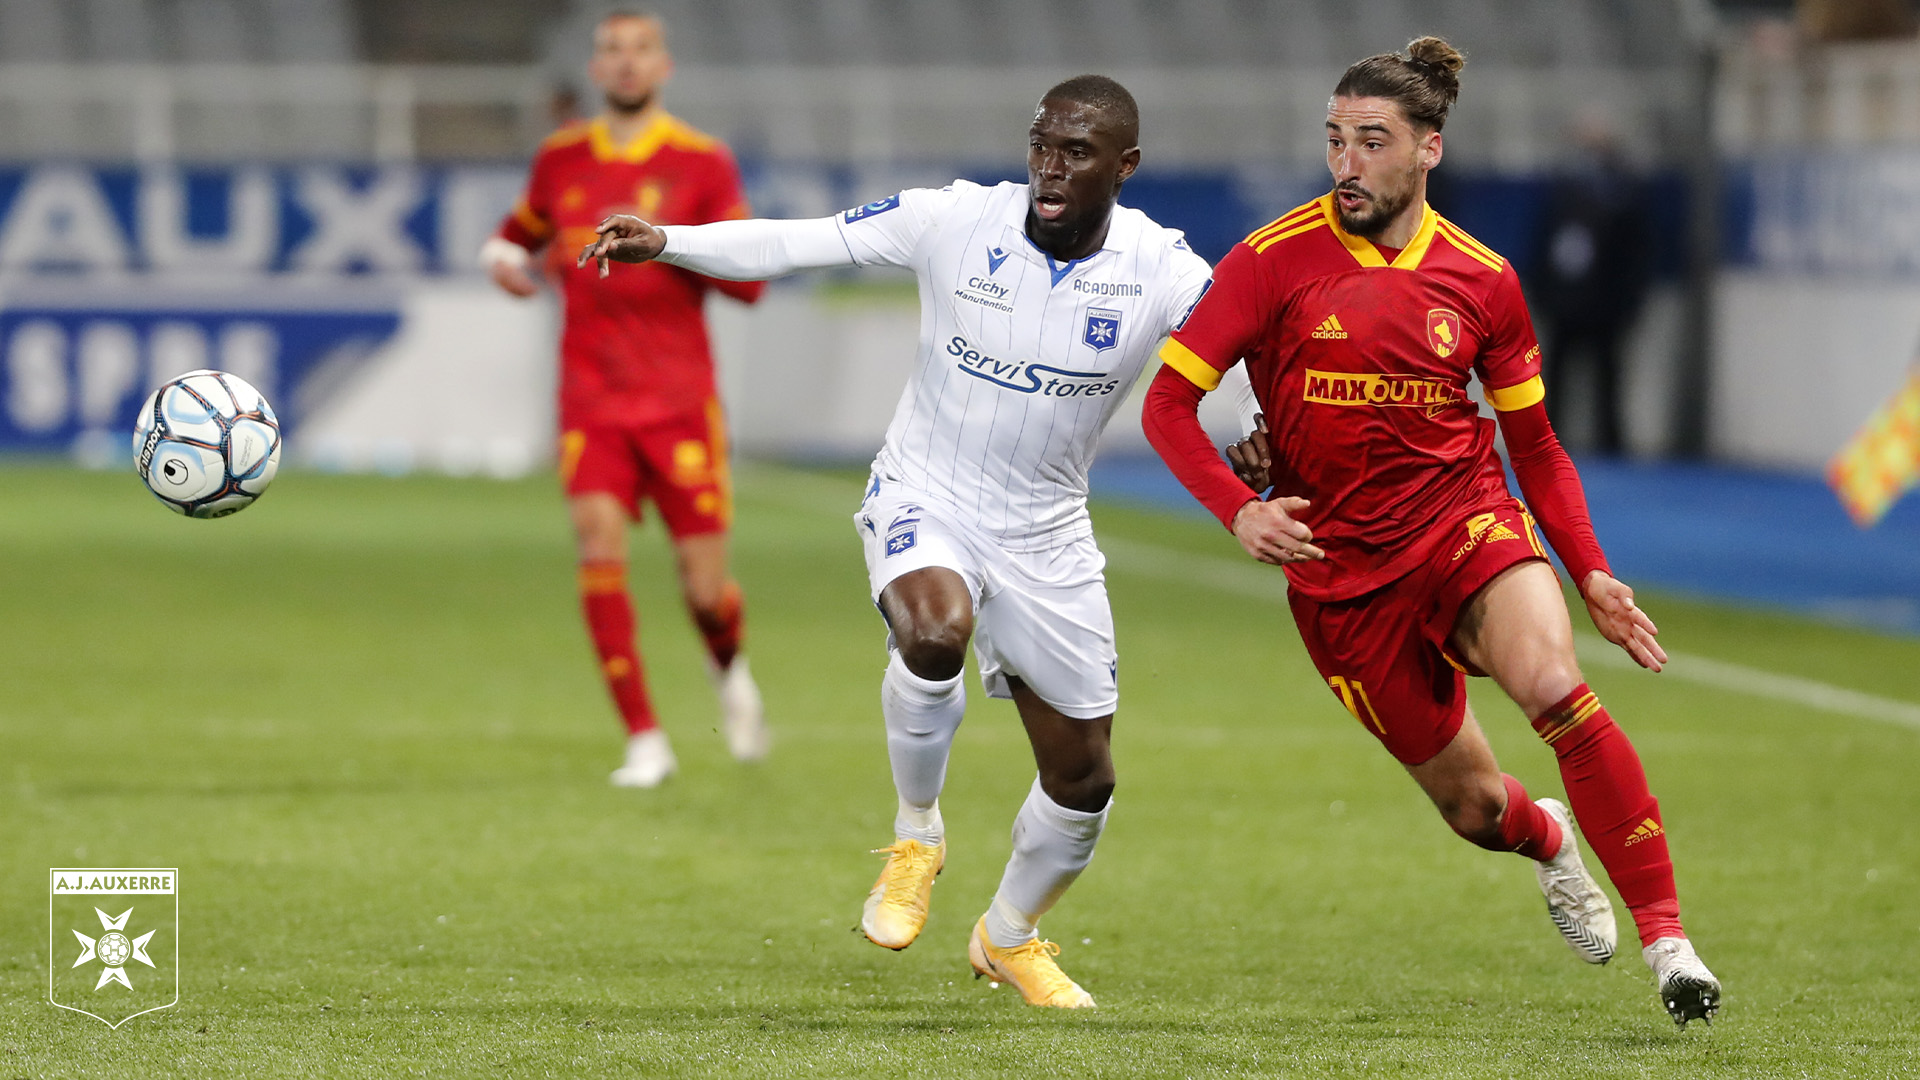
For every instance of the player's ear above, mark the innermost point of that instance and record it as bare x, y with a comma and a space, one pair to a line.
1431, 149
1129, 161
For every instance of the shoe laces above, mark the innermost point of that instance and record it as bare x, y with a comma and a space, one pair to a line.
1568, 889
915, 860
1036, 957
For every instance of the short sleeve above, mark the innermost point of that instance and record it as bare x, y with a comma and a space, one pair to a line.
1224, 323
1509, 363
725, 199
889, 231
1190, 276
530, 222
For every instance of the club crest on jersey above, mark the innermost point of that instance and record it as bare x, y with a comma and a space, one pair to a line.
902, 538
878, 206
1102, 330
1443, 331
995, 256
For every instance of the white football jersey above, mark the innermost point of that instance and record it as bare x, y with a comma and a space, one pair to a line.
1023, 359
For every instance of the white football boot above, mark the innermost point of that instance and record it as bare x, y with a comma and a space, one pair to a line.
742, 718
1687, 988
1575, 901
649, 761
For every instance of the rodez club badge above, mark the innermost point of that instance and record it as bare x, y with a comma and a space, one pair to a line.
113, 941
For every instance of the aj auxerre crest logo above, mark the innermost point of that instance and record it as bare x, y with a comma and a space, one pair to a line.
113, 942
1103, 330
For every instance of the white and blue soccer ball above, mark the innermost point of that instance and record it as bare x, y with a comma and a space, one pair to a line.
206, 444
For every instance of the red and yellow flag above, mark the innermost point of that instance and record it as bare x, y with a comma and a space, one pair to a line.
1882, 462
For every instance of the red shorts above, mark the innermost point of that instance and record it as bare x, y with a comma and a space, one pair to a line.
680, 464
1385, 654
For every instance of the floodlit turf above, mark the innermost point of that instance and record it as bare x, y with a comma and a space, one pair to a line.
363, 721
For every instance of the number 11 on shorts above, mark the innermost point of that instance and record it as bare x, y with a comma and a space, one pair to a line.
1354, 696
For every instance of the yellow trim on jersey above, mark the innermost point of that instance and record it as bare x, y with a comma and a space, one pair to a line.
571, 133
1518, 396
1472, 248
1292, 217
1188, 363
665, 129
1366, 254
1316, 223
532, 222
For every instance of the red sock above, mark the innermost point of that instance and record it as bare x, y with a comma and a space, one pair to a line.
609, 612
722, 625
1526, 828
1608, 790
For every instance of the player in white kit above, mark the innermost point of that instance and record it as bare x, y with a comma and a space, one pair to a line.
1040, 305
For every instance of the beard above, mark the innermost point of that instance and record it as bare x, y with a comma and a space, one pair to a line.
629, 104
1373, 219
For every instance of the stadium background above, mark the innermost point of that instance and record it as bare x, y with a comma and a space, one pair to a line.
295, 190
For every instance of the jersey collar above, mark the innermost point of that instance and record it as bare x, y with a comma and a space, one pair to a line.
638, 149
1366, 254
1117, 240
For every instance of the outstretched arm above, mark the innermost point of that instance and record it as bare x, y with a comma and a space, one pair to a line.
730, 250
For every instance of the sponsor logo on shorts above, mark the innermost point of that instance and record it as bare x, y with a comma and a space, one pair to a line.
1485, 527
1385, 391
1646, 830
692, 466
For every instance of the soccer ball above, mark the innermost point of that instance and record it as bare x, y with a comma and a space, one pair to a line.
115, 948
207, 444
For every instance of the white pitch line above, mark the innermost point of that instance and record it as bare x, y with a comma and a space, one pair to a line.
1250, 579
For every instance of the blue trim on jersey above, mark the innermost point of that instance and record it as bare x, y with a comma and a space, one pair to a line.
1058, 270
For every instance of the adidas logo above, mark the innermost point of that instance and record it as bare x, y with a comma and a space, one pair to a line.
1500, 532
1646, 830
1330, 329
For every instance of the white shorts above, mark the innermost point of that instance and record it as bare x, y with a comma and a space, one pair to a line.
1041, 616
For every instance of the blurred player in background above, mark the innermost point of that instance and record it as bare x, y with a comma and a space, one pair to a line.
1043, 303
639, 412
1361, 316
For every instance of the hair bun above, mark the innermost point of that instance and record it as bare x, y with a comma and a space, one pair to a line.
1436, 53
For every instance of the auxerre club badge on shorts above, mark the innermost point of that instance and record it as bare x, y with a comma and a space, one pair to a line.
113, 941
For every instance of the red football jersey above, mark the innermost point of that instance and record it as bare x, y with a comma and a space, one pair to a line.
1360, 359
634, 347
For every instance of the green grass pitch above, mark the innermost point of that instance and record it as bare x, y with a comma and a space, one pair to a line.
363, 720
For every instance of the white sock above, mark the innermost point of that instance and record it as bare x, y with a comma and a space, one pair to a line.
921, 717
1051, 845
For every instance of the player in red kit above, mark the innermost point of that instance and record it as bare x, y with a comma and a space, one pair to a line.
639, 414
1361, 317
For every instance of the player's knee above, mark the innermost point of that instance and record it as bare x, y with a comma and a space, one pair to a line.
1088, 792
936, 652
1547, 682
599, 535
